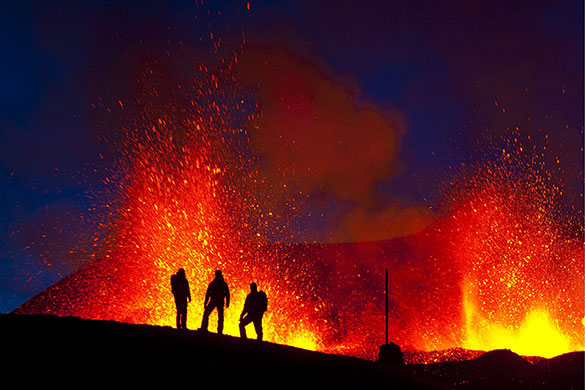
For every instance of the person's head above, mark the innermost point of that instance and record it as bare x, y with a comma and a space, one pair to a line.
253, 287
218, 274
181, 273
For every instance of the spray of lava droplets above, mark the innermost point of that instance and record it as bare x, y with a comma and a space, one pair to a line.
184, 204
520, 257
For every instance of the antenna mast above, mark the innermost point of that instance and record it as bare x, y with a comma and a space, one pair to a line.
386, 305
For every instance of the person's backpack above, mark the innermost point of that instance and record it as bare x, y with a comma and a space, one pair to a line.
174, 284
263, 301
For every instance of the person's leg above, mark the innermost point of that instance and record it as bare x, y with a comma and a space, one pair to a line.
181, 313
220, 318
258, 327
243, 322
179, 305
206, 313
184, 318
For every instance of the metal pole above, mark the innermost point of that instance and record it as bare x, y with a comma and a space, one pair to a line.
386, 305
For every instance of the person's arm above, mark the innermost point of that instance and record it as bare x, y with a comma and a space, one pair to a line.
227, 296
188, 291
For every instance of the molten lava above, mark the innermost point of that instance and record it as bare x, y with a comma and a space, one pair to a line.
537, 335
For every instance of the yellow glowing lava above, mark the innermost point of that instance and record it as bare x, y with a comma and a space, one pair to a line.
537, 335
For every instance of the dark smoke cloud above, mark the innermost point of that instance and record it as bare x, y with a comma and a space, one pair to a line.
314, 137
311, 133
464, 70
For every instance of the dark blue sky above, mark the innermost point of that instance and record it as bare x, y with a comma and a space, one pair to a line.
443, 67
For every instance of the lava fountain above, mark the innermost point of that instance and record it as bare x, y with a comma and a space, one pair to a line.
521, 267
184, 205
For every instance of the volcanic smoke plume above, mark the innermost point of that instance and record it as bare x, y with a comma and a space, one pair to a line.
207, 182
315, 138
311, 133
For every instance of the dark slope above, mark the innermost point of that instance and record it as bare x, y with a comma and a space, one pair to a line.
50, 351
46, 351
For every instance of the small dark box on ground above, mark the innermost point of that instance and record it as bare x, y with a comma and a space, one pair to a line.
390, 354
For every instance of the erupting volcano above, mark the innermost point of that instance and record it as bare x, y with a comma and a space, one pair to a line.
496, 268
219, 156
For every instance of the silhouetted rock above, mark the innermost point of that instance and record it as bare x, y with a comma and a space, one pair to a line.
565, 371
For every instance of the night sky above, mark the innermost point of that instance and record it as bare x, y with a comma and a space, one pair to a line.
457, 82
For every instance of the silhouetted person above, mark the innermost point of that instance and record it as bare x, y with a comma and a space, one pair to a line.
254, 308
214, 299
180, 289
